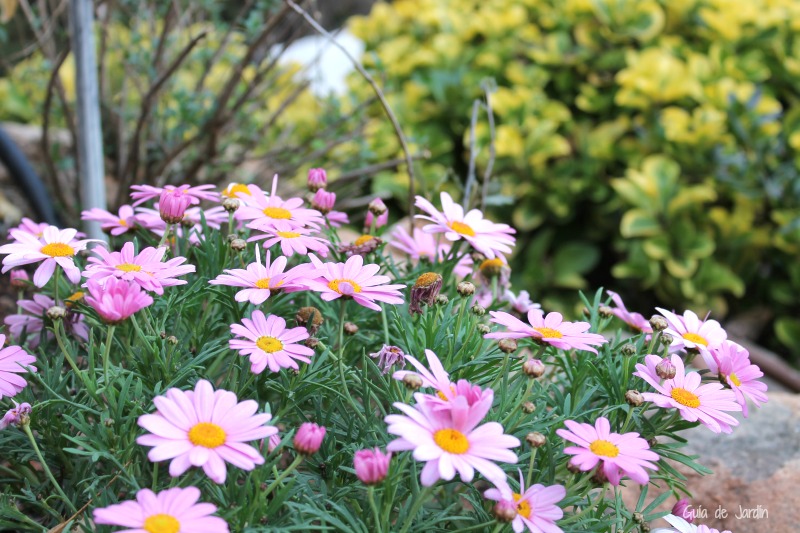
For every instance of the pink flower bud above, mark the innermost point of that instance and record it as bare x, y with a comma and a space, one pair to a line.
683, 509
172, 205
19, 279
308, 438
323, 201
371, 465
317, 179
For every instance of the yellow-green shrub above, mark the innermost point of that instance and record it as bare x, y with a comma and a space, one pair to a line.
658, 138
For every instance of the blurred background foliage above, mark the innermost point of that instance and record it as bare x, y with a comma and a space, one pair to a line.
650, 146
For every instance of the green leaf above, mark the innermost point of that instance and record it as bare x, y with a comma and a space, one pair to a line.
639, 223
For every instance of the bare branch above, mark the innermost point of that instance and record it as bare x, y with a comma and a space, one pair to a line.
487, 174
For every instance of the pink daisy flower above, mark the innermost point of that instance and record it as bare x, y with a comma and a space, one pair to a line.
266, 210
32, 321
689, 332
485, 236
732, 363
144, 193
146, 268
268, 342
424, 246
536, 506
292, 239
549, 329
204, 428
684, 392
450, 440
56, 247
234, 189
355, 280
35, 229
260, 280
117, 299
635, 320
13, 361
682, 526
521, 303
117, 224
336, 219
170, 511
618, 454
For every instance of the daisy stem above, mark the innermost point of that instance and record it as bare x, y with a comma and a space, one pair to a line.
627, 419
340, 347
27, 429
375, 515
59, 331
56, 279
529, 479
289, 470
165, 237
107, 352
385, 325
421, 497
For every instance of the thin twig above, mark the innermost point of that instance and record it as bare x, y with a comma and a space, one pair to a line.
222, 45
377, 167
52, 172
473, 153
487, 174
398, 130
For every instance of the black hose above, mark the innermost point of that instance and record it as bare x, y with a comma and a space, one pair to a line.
23, 174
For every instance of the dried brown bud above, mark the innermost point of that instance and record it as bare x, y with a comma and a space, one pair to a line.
238, 245
507, 345
575, 469
310, 318
377, 207
56, 313
350, 328
478, 310
312, 342
658, 323
652, 442
412, 381
505, 511
465, 288
535, 439
528, 407
634, 398
173, 340
425, 290
605, 311
533, 368
163, 334
231, 204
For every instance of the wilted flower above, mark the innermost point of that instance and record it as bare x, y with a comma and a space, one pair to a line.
366, 244
17, 415
32, 320
425, 290
389, 356
308, 438
371, 465
309, 317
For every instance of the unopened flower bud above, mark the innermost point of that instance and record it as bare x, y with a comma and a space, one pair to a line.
19, 279
172, 205
231, 204
308, 438
108, 422
507, 345
505, 511
638, 518
310, 318
528, 407
377, 207
442, 299
231, 237
533, 368
683, 509
658, 323
350, 328
371, 466
238, 245
163, 334
605, 311
665, 369
173, 340
535, 439
628, 349
586, 312
412, 382
56, 313
312, 342
317, 179
634, 398
665, 339
323, 201
652, 442
478, 310
483, 329
465, 288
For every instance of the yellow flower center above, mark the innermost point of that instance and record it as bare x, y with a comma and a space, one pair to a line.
523, 507
364, 239
73, 298
288, 234
460, 227
441, 395
494, 264
549, 333
162, 523
269, 344
735, 379
684, 397
278, 212
695, 338
604, 448
123, 223
334, 285
451, 441
263, 283
207, 435
129, 267
235, 188
427, 279
58, 249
